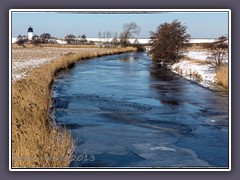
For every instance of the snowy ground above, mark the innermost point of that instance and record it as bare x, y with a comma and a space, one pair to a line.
25, 59
199, 55
20, 69
195, 63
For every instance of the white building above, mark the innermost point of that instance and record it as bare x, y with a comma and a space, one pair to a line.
30, 33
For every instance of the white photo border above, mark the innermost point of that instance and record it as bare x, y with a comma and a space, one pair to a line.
123, 11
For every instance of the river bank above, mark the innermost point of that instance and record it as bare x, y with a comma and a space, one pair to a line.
194, 66
36, 142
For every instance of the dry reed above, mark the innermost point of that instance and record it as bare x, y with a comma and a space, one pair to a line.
36, 140
194, 61
222, 76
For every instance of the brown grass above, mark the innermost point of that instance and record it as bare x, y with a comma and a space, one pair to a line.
194, 61
222, 76
55, 45
196, 76
192, 74
68, 45
178, 70
29, 53
197, 46
36, 140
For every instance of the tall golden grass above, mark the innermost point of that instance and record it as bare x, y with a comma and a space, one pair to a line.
222, 76
36, 140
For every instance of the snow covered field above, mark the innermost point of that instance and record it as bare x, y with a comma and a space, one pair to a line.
195, 64
199, 55
25, 59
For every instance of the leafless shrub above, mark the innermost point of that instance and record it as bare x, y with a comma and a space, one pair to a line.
218, 51
129, 30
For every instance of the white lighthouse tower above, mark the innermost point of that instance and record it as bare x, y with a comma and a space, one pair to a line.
30, 33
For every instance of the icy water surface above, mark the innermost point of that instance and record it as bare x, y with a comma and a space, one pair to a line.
125, 111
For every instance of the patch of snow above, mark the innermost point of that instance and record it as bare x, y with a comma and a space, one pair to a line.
200, 55
25, 59
19, 68
187, 68
202, 40
18, 76
206, 71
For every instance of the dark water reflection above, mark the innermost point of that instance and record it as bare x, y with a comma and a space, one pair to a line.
125, 111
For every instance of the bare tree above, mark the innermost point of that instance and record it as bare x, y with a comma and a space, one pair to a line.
129, 30
108, 36
70, 38
100, 37
21, 40
36, 40
83, 39
19, 37
115, 41
218, 51
104, 37
168, 42
45, 37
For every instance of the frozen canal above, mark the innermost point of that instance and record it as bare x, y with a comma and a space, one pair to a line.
125, 111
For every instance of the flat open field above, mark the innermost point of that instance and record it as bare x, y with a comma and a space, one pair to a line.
25, 59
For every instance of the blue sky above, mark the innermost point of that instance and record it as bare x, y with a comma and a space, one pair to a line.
200, 24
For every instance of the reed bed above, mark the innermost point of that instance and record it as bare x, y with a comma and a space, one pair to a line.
36, 140
222, 76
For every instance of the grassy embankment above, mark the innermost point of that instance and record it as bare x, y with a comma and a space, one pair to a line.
36, 140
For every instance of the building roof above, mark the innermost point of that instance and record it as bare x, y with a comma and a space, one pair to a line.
30, 29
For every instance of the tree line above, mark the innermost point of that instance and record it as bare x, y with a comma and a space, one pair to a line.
106, 38
47, 38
